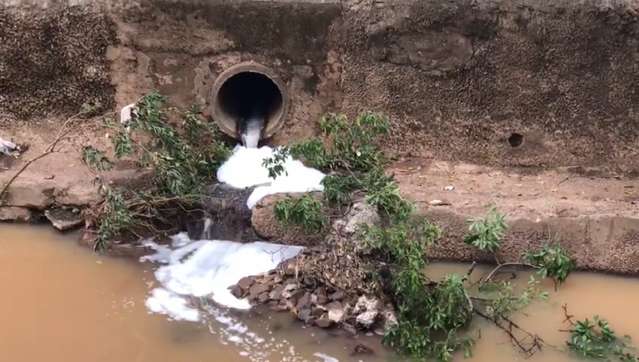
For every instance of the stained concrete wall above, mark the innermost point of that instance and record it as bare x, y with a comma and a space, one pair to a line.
457, 77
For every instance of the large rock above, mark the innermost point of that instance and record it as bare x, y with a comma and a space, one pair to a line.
11, 213
360, 213
367, 310
64, 219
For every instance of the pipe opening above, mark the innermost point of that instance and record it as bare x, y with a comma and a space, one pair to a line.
248, 94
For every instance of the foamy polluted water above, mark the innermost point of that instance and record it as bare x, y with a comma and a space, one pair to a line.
194, 272
244, 169
206, 269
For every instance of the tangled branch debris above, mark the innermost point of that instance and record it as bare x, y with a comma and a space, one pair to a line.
183, 164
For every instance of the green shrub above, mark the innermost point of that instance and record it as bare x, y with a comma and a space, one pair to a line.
430, 315
183, 164
115, 218
596, 340
338, 189
486, 233
552, 261
96, 159
305, 211
352, 159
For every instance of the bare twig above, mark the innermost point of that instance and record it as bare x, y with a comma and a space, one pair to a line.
567, 317
529, 344
49, 150
492, 273
471, 269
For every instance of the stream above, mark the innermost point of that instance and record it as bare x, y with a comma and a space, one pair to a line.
62, 302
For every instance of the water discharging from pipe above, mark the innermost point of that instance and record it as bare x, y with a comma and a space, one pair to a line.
251, 131
249, 102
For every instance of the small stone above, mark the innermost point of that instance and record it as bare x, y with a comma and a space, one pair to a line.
335, 312
296, 296
338, 295
317, 311
291, 269
323, 321
449, 188
366, 319
263, 298
276, 293
246, 282
361, 349
288, 290
277, 306
322, 298
304, 302
10, 213
360, 213
438, 203
304, 314
256, 290
366, 304
237, 291
349, 328
390, 320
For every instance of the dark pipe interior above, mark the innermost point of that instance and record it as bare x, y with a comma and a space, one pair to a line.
250, 94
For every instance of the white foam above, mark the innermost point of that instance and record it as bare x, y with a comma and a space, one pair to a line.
325, 358
244, 169
207, 268
165, 302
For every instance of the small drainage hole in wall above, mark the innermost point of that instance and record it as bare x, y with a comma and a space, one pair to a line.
515, 140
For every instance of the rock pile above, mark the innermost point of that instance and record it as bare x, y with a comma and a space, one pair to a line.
329, 284
295, 287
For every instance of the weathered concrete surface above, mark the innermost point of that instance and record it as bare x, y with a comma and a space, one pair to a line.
60, 178
457, 77
596, 218
53, 61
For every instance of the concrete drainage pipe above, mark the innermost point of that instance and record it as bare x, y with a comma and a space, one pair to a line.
244, 89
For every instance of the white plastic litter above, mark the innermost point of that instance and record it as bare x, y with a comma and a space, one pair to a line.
126, 113
7, 147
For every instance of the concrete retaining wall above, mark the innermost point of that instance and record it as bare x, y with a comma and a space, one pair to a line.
461, 79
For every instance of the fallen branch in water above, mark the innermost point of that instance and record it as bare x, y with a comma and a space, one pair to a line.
49, 150
529, 344
492, 273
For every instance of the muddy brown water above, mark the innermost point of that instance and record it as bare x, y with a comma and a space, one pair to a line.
60, 302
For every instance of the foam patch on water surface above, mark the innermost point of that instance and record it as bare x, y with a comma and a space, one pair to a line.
163, 301
207, 268
244, 169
